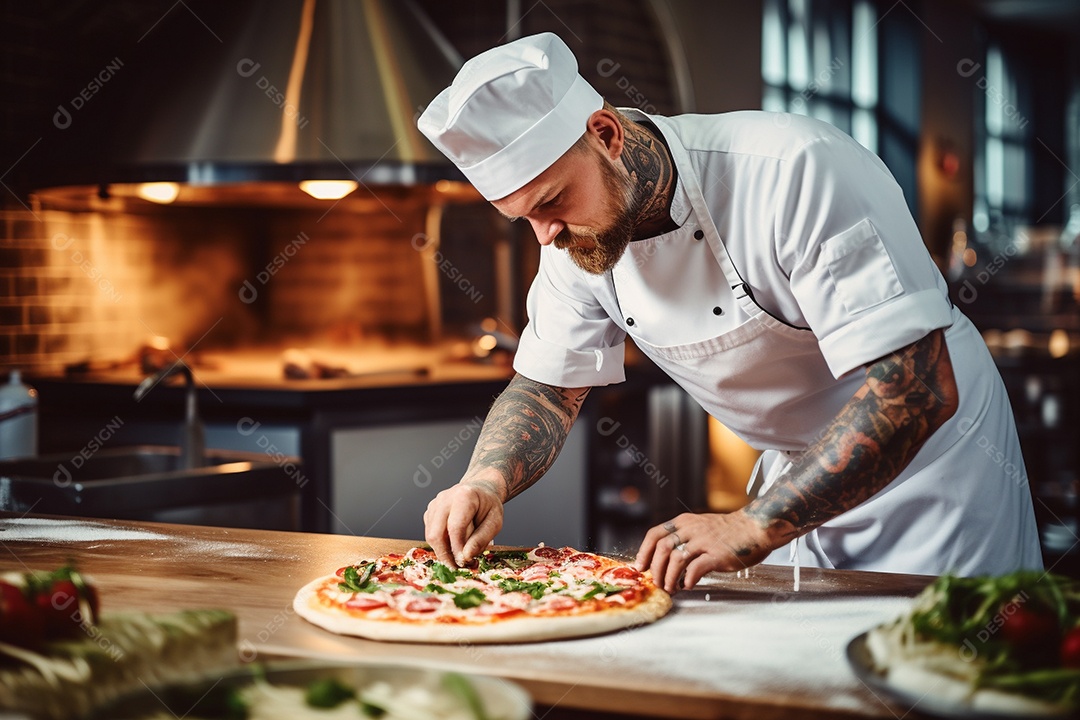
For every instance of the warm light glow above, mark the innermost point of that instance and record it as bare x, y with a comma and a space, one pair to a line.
159, 192
1059, 343
328, 189
158, 342
487, 342
970, 257
444, 186
489, 325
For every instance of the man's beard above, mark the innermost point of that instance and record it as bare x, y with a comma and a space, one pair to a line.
608, 244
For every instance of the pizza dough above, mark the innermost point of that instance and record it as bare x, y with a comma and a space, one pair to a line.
503, 597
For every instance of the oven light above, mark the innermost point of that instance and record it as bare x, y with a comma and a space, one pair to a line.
159, 192
328, 189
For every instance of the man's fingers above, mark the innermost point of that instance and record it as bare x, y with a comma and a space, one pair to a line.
459, 527
435, 531
648, 546
482, 536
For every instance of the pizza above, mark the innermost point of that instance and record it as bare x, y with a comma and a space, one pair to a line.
523, 595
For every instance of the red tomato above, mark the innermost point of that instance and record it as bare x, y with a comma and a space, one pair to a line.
59, 606
1026, 628
21, 623
1070, 649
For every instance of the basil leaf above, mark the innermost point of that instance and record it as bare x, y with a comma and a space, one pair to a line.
433, 588
599, 588
469, 598
358, 580
442, 573
536, 589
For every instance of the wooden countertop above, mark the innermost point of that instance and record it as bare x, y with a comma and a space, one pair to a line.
732, 647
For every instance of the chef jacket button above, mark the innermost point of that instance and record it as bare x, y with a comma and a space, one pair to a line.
698, 234
718, 310
629, 321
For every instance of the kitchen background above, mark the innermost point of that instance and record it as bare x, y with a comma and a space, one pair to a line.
153, 159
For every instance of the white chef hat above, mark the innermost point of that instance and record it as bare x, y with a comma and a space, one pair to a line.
511, 112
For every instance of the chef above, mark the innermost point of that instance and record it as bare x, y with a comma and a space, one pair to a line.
769, 264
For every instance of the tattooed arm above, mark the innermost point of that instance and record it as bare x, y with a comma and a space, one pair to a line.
520, 440
905, 398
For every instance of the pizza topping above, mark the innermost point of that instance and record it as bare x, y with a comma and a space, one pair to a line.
358, 578
544, 581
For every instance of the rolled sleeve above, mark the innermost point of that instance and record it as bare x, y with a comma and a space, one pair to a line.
908, 319
569, 340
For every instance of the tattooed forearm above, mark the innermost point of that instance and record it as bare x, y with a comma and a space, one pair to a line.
905, 398
525, 431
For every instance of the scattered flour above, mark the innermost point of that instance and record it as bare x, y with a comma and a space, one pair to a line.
789, 647
67, 531
77, 531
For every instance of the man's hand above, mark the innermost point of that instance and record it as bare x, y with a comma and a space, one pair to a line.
697, 544
463, 520
521, 438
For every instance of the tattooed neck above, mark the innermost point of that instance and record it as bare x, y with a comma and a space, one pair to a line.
649, 163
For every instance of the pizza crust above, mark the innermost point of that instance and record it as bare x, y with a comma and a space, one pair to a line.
510, 630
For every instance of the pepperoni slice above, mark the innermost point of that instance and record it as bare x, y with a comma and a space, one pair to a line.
621, 575
558, 603
423, 605
421, 555
394, 557
365, 602
548, 553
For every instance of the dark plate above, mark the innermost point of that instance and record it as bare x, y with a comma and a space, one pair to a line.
926, 703
501, 700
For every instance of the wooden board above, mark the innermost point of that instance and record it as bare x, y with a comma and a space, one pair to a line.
733, 647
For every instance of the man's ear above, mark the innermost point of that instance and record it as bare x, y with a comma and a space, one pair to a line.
605, 127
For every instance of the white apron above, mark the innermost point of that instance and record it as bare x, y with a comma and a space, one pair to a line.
769, 383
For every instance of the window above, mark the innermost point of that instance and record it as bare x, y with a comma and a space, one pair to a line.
850, 64
820, 58
1003, 177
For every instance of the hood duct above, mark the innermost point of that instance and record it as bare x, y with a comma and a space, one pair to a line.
289, 91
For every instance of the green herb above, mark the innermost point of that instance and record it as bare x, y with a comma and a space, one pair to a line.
372, 710
536, 589
470, 598
599, 588
515, 559
496, 576
328, 693
463, 689
484, 564
433, 588
464, 572
407, 563
442, 573
553, 573
358, 580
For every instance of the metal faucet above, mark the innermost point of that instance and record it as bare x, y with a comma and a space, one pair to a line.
193, 437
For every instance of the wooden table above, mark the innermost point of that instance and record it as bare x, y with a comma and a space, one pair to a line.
732, 647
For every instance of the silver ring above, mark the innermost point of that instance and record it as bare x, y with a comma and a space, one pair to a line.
669, 526
682, 546
678, 540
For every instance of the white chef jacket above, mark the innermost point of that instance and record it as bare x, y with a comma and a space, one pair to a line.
795, 263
